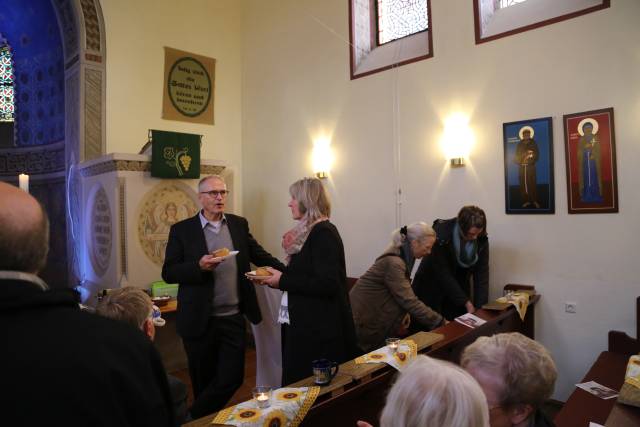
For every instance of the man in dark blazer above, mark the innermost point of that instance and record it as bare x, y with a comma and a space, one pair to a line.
214, 294
64, 366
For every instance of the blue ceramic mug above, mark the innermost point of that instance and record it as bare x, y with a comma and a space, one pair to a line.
324, 370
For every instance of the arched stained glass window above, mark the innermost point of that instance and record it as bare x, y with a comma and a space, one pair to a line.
400, 18
7, 92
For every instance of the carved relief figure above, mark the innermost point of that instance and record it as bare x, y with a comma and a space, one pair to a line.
161, 208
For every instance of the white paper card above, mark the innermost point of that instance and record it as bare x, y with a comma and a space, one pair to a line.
470, 320
598, 390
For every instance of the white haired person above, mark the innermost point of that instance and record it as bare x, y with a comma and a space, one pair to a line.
315, 314
517, 375
434, 393
133, 306
382, 298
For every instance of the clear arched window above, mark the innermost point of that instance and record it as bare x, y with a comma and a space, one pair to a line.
7, 91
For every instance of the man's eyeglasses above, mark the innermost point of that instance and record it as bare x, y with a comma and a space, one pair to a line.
216, 193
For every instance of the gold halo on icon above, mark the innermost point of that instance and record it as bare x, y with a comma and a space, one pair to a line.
523, 128
593, 122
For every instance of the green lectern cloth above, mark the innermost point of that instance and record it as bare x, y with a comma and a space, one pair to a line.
175, 155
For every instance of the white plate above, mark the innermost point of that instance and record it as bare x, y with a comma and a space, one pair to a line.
232, 253
252, 275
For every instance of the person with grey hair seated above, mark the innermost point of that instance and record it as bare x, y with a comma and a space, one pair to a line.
64, 366
434, 393
517, 375
382, 299
133, 306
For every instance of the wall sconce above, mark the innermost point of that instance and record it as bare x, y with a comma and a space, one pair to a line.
457, 139
322, 158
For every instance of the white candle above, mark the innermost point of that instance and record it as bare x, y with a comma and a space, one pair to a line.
393, 344
263, 400
23, 182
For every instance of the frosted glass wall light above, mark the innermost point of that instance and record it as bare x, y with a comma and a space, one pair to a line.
322, 157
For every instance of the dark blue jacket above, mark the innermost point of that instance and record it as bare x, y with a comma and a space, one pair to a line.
67, 367
445, 286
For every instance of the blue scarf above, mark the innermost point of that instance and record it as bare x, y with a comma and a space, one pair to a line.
468, 256
407, 255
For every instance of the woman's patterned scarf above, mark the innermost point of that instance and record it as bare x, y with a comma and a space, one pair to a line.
293, 240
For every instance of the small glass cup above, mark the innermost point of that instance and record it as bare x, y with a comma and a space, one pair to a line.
262, 396
393, 344
509, 295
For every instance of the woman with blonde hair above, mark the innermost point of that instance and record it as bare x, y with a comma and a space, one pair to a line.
382, 299
434, 393
315, 314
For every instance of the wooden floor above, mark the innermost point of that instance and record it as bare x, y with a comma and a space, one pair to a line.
243, 393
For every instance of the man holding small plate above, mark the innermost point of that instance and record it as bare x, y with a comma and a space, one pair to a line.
214, 294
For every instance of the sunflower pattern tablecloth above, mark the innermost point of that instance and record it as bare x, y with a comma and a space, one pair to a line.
519, 299
407, 350
288, 408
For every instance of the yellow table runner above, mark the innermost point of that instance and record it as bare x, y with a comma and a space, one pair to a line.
288, 408
632, 375
519, 299
407, 350
630, 391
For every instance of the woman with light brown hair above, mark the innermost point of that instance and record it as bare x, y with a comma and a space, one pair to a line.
315, 313
454, 280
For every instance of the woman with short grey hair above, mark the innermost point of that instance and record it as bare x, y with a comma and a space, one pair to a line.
382, 299
517, 375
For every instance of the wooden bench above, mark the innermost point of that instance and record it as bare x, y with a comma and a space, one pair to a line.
609, 368
352, 396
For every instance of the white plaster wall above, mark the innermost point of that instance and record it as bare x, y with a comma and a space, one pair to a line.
137, 32
296, 85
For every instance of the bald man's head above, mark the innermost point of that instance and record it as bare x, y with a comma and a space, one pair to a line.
24, 231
